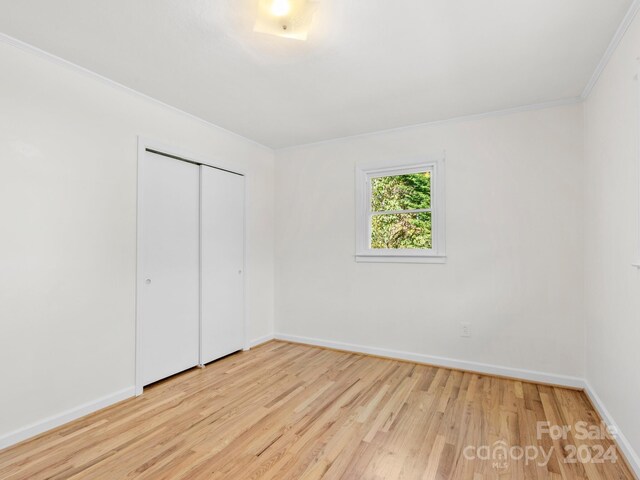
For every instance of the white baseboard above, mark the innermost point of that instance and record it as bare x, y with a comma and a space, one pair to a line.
260, 340
631, 456
529, 375
539, 377
54, 421
623, 444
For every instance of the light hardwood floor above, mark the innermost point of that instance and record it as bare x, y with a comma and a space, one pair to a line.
284, 411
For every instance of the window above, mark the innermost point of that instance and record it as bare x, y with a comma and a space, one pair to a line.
400, 214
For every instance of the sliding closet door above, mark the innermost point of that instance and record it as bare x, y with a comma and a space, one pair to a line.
169, 287
222, 263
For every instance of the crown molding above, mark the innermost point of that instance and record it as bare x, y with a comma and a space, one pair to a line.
463, 118
4, 38
613, 45
619, 34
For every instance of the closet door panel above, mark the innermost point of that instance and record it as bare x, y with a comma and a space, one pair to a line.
222, 263
170, 267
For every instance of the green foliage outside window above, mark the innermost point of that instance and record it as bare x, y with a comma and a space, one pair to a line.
410, 230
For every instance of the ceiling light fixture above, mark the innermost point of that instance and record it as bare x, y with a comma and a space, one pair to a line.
286, 18
280, 8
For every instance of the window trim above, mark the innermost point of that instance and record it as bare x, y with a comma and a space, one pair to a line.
364, 253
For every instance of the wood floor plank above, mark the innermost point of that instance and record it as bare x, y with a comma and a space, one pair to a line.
284, 411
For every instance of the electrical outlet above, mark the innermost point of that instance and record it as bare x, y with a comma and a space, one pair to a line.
465, 329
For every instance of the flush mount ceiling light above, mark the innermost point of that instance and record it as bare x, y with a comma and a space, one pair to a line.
286, 18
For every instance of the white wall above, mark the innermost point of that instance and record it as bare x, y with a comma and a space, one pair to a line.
514, 243
68, 153
524, 218
612, 241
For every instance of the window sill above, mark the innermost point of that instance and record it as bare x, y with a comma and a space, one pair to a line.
364, 258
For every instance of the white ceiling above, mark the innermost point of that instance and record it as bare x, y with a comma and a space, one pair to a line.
368, 64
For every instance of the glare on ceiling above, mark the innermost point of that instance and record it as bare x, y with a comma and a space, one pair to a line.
286, 18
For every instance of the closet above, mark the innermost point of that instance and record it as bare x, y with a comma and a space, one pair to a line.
222, 259
191, 262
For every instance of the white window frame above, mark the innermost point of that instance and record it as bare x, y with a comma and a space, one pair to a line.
364, 252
